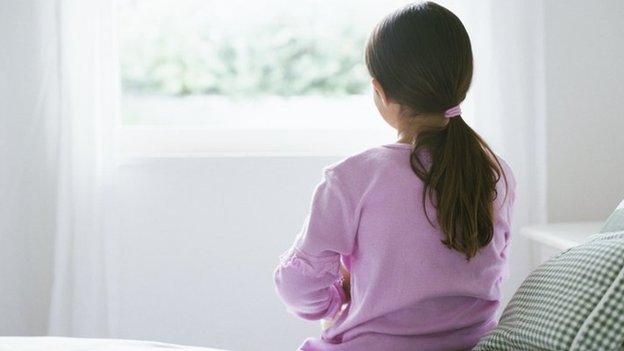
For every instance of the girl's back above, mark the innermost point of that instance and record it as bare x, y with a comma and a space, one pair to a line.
408, 290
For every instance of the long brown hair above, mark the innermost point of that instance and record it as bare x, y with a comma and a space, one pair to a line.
422, 57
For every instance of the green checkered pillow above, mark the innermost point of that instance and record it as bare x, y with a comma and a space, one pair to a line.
575, 301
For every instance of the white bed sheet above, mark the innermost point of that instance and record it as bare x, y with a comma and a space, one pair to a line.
78, 344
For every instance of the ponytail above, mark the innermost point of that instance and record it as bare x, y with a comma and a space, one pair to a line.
460, 180
421, 56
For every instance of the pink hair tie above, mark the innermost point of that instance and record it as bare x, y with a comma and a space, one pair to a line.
452, 112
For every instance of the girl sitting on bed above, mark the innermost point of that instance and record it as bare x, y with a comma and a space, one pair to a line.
405, 245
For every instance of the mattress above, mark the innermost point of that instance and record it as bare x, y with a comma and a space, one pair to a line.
76, 344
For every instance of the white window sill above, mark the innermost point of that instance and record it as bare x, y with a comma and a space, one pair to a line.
548, 240
209, 142
562, 236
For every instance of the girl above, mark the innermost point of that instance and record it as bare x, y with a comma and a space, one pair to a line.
422, 225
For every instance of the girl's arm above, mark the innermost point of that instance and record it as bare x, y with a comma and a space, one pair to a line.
308, 278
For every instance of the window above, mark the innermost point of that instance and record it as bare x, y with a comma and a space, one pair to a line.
274, 76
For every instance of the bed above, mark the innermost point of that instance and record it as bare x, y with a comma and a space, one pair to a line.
77, 344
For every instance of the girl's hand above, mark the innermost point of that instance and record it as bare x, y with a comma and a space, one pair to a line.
345, 280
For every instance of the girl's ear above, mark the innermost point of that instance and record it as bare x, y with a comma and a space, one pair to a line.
380, 91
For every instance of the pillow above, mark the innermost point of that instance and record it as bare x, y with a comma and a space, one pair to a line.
574, 301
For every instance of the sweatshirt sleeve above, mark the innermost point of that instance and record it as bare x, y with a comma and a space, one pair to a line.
307, 277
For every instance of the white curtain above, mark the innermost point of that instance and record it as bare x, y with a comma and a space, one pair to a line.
88, 95
58, 147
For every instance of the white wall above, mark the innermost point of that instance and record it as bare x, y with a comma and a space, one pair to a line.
200, 238
585, 108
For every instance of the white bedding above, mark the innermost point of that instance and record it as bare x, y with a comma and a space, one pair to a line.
75, 344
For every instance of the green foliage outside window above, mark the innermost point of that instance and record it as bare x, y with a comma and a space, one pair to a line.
188, 53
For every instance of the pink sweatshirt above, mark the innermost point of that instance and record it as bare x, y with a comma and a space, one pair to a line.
409, 291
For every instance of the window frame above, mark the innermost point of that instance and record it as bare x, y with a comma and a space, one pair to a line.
147, 141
